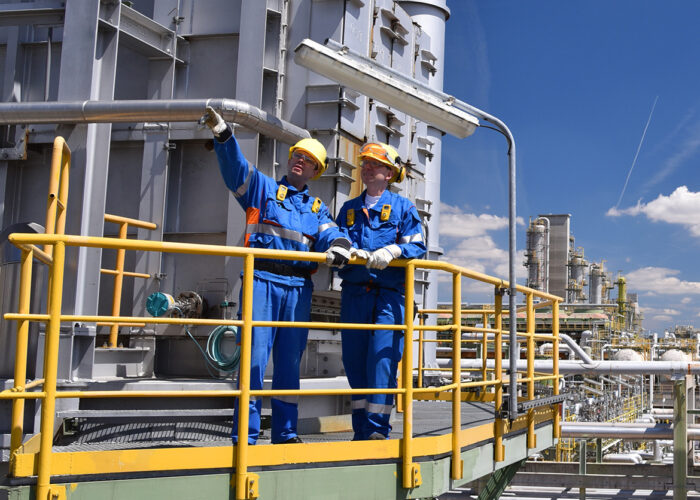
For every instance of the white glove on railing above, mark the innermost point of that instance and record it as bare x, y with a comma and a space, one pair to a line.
213, 120
380, 259
359, 253
339, 253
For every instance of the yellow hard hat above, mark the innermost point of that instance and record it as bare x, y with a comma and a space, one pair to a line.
315, 149
387, 155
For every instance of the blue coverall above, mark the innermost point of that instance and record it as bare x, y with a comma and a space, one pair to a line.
281, 288
375, 296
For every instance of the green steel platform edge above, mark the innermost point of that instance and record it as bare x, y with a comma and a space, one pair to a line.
366, 481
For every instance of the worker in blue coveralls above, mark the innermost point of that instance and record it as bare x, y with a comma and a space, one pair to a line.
280, 215
383, 226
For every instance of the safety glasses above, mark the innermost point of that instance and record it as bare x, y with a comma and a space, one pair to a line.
305, 159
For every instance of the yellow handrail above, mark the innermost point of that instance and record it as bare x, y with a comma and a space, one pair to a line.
246, 457
119, 273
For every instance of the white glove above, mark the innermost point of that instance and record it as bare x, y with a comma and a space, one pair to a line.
339, 253
380, 259
359, 253
213, 120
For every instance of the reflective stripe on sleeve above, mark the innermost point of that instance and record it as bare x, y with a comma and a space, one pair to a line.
358, 404
279, 232
414, 238
328, 225
377, 408
244, 187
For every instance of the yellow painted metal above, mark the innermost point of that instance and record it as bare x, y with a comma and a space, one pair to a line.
202, 458
420, 349
456, 374
251, 486
531, 438
555, 364
38, 253
48, 405
118, 219
126, 273
58, 191
498, 423
244, 380
25, 290
484, 346
117, 290
409, 475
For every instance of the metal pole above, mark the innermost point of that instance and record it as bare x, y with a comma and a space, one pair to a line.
244, 380
48, 405
582, 466
25, 289
680, 440
410, 471
117, 289
499, 449
456, 374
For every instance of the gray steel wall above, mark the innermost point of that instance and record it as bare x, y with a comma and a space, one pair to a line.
162, 49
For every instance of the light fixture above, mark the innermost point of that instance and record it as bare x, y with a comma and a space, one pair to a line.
404, 94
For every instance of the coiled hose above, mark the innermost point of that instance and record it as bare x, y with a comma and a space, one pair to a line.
213, 355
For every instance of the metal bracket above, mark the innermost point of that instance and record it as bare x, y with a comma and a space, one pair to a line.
19, 152
251, 486
416, 479
527, 405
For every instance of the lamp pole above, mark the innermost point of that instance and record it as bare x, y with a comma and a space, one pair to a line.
443, 111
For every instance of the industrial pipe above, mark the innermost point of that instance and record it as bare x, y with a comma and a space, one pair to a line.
597, 367
165, 110
628, 431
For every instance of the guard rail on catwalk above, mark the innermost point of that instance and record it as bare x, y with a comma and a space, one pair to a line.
35, 456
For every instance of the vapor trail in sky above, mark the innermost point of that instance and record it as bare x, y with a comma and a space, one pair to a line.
641, 141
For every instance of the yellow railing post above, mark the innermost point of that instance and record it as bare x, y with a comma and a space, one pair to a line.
555, 363
484, 346
118, 282
52, 337
531, 438
498, 448
242, 480
411, 471
421, 322
25, 289
456, 375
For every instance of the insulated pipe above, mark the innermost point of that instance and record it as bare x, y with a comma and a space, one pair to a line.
597, 367
165, 110
619, 431
577, 349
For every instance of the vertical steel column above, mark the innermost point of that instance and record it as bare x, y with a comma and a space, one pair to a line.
25, 290
582, 450
499, 422
531, 438
410, 471
118, 282
244, 381
555, 367
48, 405
680, 439
456, 374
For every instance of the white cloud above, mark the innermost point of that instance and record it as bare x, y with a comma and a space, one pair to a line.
686, 300
680, 207
467, 244
665, 311
662, 318
662, 281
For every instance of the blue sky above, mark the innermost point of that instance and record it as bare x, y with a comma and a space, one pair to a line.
575, 81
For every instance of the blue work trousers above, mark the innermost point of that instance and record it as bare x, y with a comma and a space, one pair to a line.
274, 301
371, 357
